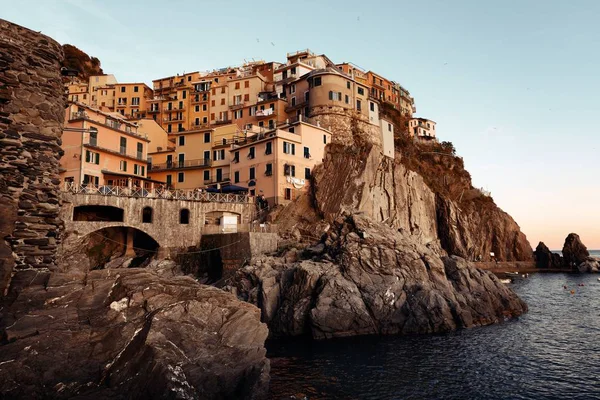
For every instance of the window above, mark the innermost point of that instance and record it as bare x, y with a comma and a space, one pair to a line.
136, 169
372, 105
347, 99
291, 130
335, 96
212, 115
348, 84
306, 95
206, 176
237, 85
206, 137
169, 180
252, 173
92, 157
361, 91
122, 89
306, 173
135, 101
288, 194
269, 169
390, 127
219, 155
222, 102
184, 216
223, 89
93, 136
197, 108
147, 215
236, 177
251, 152
123, 166
289, 148
247, 84
289, 170
204, 120
324, 139
169, 128
181, 140
246, 97
183, 95
123, 145
206, 155
236, 157
204, 107
212, 104
292, 88
293, 70
317, 81
358, 105
238, 114
306, 152
180, 177
294, 101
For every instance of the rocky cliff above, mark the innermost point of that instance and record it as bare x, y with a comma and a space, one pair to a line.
465, 222
368, 278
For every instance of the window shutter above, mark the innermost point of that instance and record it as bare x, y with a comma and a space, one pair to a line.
330, 95
293, 149
87, 156
97, 158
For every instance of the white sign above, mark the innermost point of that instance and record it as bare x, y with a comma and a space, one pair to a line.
297, 182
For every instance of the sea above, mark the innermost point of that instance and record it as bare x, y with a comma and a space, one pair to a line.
552, 352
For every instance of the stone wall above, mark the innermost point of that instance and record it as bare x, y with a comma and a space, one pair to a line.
31, 115
346, 126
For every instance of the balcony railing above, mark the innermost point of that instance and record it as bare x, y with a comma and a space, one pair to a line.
156, 193
174, 118
153, 110
199, 163
265, 113
111, 123
121, 152
237, 106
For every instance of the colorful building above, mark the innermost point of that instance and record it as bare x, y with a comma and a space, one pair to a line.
103, 149
422, 129
277, 163
131, 99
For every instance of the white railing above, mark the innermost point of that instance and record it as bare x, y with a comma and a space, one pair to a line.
167, 194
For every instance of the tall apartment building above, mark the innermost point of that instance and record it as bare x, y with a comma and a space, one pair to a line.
104, 148
131, 99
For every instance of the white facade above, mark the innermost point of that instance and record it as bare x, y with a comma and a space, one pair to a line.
422, 128
373, 112
387, 137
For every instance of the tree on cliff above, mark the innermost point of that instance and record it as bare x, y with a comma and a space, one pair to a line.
80, 61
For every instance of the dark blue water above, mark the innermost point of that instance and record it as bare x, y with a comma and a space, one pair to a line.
553, 352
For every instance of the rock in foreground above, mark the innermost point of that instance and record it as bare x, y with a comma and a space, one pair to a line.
372, 279
135, 334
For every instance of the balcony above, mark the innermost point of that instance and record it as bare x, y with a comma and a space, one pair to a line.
265, 113
238, 105
174, 108
111, 123
223, 121
121, 104
93, 144
174, 165
200, 125
174, 118
216, 179
201, 98
153, 110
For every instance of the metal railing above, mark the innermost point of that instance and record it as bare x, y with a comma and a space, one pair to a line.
156, 193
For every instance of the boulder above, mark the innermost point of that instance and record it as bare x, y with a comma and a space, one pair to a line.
574, 252
135, 334
544, 258
590, 265
380, 281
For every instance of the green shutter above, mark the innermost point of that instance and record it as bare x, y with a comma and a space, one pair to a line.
97, 158
87, 156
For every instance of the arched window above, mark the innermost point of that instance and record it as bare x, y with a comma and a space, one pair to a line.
147, 215
184, 216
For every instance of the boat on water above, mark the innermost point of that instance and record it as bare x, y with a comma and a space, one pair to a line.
506, 280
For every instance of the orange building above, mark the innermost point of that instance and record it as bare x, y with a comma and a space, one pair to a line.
131, 99
277, 163
103, 149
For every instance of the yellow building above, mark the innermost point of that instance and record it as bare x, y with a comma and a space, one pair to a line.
200, 158
103, 149
277, 163
131, 99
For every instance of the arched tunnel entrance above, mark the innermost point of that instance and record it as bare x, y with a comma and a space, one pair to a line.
120, 247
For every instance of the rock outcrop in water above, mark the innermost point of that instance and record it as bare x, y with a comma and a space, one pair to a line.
544, 258
369, 278
132, 333
574, 252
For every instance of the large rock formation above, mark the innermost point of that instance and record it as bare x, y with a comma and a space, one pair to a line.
31, 115
360, 178
369, 278
132, 333
544, 258
574, 252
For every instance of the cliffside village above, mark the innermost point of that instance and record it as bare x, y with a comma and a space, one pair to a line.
257, 128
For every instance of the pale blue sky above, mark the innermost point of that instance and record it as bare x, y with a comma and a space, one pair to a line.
513, 84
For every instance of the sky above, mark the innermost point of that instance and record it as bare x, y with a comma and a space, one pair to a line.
513, 84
